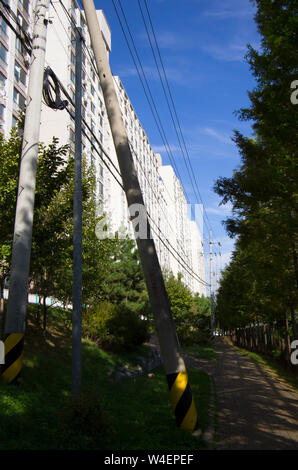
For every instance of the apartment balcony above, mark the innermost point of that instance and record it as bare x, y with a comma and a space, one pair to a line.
16, 108
25, 14
21, 87
22, 59
3, 64
4, 36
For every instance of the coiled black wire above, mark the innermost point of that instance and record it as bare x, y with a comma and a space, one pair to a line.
49, 88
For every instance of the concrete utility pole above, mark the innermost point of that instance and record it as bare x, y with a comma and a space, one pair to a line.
181, 395
20, 263
212, 319
211, 285
77, 228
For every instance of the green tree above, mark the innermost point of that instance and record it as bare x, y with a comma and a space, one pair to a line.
10, 150
191, 314
261, 282
124, 280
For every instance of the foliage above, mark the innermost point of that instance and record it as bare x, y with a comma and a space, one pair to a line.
10, 150
48, 244
191, 314
261, 282
124, 280
115, 327
39, 414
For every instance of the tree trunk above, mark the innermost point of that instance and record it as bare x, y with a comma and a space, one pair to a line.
294, 324
2, 312
287, 339
295, 262
44, 313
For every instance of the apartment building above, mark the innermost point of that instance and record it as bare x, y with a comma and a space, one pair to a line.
60, 56
14, 61
177, 238
146, 164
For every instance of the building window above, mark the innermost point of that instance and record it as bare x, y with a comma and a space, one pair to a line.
14, 121
92, 107
3, 53
100, 188
2, 81
18, 98
19, 74
73, 58
73, 77
1, 111
3, 27
92, 90
92, 126
72, 136
26, 5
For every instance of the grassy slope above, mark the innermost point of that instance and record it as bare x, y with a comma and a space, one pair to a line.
132, 414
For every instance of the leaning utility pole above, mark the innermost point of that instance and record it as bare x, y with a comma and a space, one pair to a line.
181, 395
20, 262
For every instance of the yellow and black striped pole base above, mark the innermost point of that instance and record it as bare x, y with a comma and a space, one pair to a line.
183, 401
13, 350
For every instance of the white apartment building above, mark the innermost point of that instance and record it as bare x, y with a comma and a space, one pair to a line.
183, 234
146, 164
14, 62
177, 238
60, 56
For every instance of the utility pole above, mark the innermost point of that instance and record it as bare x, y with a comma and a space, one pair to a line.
181, 395
211, 285
21, 250
212, 319
77, 228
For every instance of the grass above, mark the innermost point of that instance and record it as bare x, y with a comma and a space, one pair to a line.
273, 366
204, 351
131, 414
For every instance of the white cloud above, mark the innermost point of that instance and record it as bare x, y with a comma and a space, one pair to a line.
163, 149
220, 136
223, 211
226, 13
226, 52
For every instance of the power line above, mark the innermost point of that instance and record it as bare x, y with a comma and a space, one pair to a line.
187, 162
151, 105
183, 264
188, 165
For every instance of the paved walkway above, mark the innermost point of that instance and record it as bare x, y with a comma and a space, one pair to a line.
256, 411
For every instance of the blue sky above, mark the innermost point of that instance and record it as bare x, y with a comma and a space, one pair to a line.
202, 44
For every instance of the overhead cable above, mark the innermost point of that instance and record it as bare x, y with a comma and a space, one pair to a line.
54, 102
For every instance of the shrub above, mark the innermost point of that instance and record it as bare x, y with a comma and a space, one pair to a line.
115, 327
